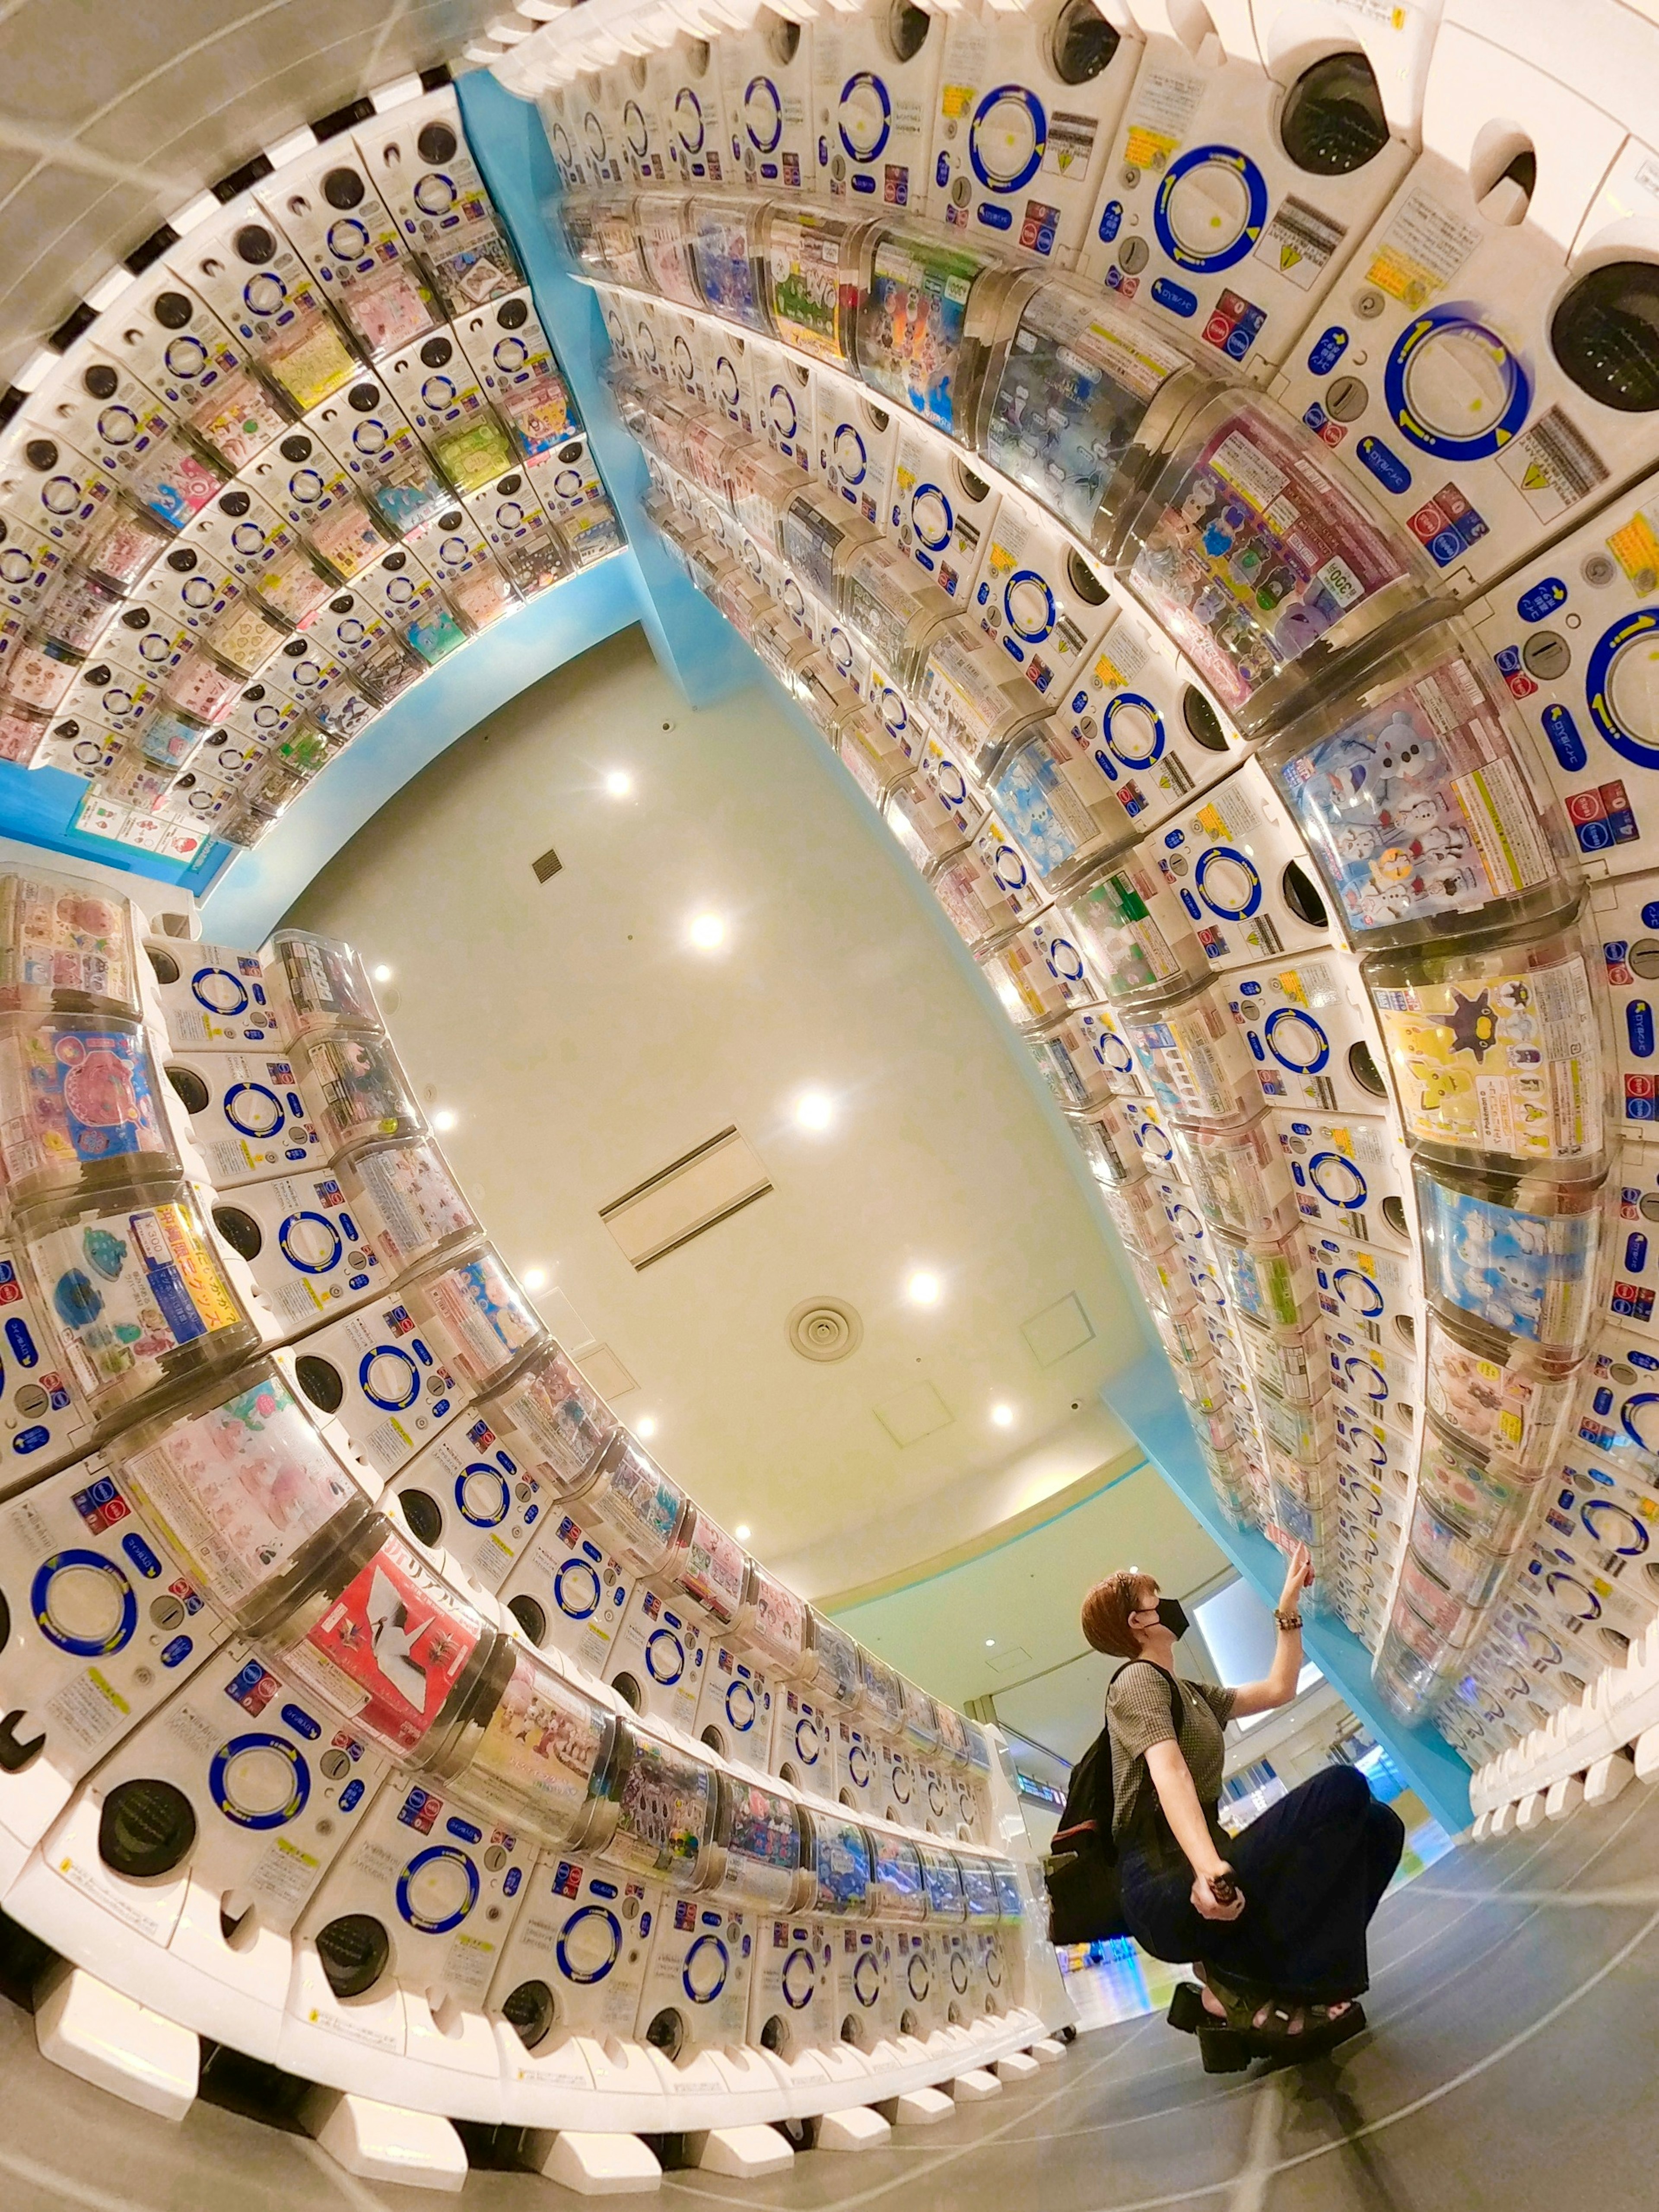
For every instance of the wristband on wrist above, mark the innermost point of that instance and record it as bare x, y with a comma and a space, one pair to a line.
1288, 1621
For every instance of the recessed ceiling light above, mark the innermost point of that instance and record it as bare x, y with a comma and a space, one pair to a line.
383, 974
990, 1643
645, 1427
814, 1110
922, 1289
1003, 1416
443, 1119
707, 930
742, 1532
619, 783
535, 1279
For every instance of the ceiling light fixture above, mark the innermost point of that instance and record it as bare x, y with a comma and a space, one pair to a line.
706, 932
742, 1532
646, 1425
990, 1643
1003, 1416
922, 1289
443, 1119
813, 1109
618, 783
535, 1279
383, 974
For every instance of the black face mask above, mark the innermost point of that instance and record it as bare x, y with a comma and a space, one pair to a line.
1172, 1614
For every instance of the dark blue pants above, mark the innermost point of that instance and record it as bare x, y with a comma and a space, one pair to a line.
1313, 1869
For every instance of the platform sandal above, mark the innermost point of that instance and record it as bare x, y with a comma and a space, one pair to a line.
1251, 2028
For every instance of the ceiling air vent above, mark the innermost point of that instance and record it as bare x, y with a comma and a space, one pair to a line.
691, 1194
824, 1328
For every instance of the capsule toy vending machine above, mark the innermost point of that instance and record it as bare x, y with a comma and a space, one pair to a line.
668, 1637
379, 1383
695, 2003
875, 93
1040, 599
766, 89
684, 79
742, 1680
106, 1621
418, 160
399, 1947
941, 512
1240, 869
1244, 172
791, 2000
1028, 106
641, 131
203, 1835
189, 359
470, 1504
513, 356
856, 438
806, 1711
248, 273
355, 247
1309, 1029
297, 1248
1459, 372
654, 1654
881, 1962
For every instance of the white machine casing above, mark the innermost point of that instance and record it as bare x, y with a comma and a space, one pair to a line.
766, 93
684, 81
1437, 377
584, 1937
378, 1384
875, 93
658, 1655
260, 1786
512, 357
244, 1115
295, 1249
419, 161
568, 1591
1311, 1035
44, 1421
941, 512
1352, 1176
104, 1623
468, 1504
444, 1885
856, 440
1041, 600
1030, 101
1206, 217
211, 997
735, 1704
1238, 867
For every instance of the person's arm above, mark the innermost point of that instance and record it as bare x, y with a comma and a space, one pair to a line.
1278, 1686
1173, 1781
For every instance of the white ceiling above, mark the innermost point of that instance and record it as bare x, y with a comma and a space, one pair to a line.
584, 1044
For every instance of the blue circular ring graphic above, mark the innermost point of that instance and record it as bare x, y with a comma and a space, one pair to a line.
1029, 576
663, 1635
1370, 1301
257, 1091
1436, 323
388, 1352
1353, 1190
787, 1988
691, 145
1295, 1021
1256, 187
706, 1944
850, 430
483, 1520
759, 84
1109, 715
576, 1572
426, 1858
1637, 1398
1605, 652
83, 1647
298, 1795
867, 1988
337, 1243
1228, 855
869, 77
224, 1013
933, 545
1033, 106
740, 1720
590, 1912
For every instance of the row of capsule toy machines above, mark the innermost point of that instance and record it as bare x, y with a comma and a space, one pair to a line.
371, 1702
318, 444
1278, 756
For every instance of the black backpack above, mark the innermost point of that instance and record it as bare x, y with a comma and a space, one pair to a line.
1081, 1868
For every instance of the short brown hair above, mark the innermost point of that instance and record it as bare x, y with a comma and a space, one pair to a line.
1107, 1608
